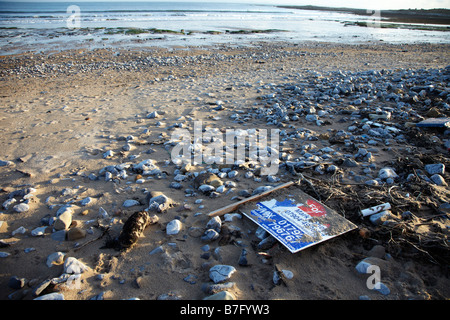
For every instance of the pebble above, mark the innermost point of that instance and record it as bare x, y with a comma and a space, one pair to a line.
437, 168
51, 296
55, 259
438, 180
386, 173
64, 220
75, 234
130, 203
39, 231
174, 227
21, 207
210, 235
382, 288
74, 266
221, 273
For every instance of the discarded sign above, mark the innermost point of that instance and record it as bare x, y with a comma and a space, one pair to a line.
434, 123
298, 222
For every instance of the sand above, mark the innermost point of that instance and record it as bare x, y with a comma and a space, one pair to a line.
55, 127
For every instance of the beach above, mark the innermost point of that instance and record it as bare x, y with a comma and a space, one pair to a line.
87, 139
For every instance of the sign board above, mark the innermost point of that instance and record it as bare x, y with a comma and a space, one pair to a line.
299, 221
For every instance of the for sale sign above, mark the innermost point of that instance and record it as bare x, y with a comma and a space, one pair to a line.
299, 221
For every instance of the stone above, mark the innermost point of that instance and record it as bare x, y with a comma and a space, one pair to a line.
386, 173
221, 273
210, 235
382, 288
437, 168
174, 227
63, 221
16, 283
381, 217
159, 202
130, 203
55, 259
438, 180
74, 266
21, 207
208, 179
75, 233
206, 188
214, 223
39, 231
85, 201
8, 203
51, 296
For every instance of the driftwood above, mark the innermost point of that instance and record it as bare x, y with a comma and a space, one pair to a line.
234, 206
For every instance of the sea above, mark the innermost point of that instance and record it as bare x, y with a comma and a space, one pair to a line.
49, 26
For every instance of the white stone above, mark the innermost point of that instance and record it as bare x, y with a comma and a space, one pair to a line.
21, 207
55, 258
72, 265
130, 203
174, 227
221, 273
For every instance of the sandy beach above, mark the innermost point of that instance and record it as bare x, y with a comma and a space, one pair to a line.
76, 125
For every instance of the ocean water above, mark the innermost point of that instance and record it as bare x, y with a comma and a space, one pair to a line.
54, 26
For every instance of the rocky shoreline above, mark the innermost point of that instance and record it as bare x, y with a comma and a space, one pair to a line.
87, 137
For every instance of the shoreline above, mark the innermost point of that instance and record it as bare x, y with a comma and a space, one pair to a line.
78, 125
425, 16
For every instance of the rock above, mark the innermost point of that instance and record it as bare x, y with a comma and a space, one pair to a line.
207, 179
108, 154
85, 201
21, 207
16, 283
39, 231
223, 295
382, 288
59, 235
206, 188
174, 227
74, 266
51, 296
8, 203
210, 235
438, 180
386, 173
261, 189
381, 217
20, 230
221, 273
159, 202
75, 234
349, 163
41, 287
437, 168
243, 258
214, 223
63, 221
6, 163
130, 203
55, 259
4, 254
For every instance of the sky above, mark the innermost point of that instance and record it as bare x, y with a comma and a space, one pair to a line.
364, 4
